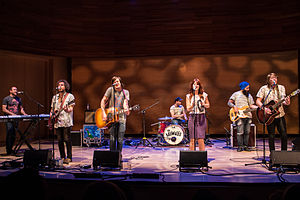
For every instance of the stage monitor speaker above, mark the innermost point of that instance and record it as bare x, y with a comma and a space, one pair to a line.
37, 158
190, 160
296, 144
110, 159
285, 158
89, 117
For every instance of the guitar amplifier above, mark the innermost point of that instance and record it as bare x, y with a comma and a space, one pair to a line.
252, 136
89, 117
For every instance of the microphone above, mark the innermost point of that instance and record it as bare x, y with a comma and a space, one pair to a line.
194, 87
20, 92
274, 83
58, 88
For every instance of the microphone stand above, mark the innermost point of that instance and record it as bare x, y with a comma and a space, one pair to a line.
39, 105
144, 140
264, 130
52, 124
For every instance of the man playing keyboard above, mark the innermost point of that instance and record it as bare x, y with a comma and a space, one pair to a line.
12, 105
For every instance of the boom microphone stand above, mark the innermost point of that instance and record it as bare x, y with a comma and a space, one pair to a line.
39, 105
144, 140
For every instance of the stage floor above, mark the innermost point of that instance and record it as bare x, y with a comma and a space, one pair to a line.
227, 165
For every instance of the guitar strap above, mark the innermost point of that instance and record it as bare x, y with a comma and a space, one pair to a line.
63, 101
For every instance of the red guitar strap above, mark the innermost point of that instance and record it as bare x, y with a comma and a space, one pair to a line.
63, 101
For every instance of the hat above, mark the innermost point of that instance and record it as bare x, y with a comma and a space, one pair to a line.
243, 85
178, 99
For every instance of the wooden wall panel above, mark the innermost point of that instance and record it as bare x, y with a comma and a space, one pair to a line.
164, 78
127, 28
32, 74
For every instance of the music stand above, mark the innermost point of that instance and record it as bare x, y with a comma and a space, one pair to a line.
144, 140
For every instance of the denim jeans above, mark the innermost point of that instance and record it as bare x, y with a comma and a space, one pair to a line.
243, 130
281, 128
117, 131
10, 136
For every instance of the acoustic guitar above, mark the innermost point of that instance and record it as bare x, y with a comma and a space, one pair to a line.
112, 115
273, 106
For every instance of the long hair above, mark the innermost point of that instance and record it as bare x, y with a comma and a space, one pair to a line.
269, 77
270, 84
200, 90
114, 78
67, 85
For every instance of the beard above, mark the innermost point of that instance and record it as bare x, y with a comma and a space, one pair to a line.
246, 93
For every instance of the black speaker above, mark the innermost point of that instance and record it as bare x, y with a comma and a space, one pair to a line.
189, 160
37, 158
110, 159
76, 137
296, 144
285, 158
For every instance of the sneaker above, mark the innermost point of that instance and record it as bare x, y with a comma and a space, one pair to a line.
240, 149
67, 160
247, 149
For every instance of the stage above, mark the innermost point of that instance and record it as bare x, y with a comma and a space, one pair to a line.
150, 173
225, 164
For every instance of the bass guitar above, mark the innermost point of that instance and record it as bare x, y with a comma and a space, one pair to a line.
273, 106
54, 117
112, 116
234, 116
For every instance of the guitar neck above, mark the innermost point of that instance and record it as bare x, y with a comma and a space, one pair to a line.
280, 102
122, 111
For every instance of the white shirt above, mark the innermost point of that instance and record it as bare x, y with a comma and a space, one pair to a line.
195, 109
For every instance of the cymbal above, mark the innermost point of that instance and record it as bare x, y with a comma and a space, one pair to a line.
165, 118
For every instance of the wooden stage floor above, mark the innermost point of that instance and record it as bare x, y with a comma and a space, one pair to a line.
227, 165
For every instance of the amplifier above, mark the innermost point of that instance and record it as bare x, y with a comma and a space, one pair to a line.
252, 136
89, 117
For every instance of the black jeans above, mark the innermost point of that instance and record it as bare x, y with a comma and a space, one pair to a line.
64, 136
117, 132
281, 127
10, 136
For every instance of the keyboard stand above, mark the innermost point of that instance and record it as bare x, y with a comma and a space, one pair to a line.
23, 136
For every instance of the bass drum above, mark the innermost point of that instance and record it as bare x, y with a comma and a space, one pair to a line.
173, 134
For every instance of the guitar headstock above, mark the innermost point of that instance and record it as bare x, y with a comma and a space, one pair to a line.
135, 107
295, 92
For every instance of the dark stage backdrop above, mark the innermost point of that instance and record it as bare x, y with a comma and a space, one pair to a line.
150, 79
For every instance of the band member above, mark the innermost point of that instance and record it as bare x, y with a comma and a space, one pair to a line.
12, 105
277, 92
240, 99
178, 112
62, 110
117, 98
196, 103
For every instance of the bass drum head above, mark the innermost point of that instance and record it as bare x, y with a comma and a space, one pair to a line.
173, 134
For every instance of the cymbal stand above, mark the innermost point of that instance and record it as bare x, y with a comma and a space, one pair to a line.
145, 140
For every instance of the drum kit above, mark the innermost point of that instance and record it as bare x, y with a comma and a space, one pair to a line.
171, 133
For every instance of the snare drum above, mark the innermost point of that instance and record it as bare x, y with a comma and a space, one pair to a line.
173, 134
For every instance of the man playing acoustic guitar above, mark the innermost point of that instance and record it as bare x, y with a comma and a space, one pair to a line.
277, 93
117, 99
239, 100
